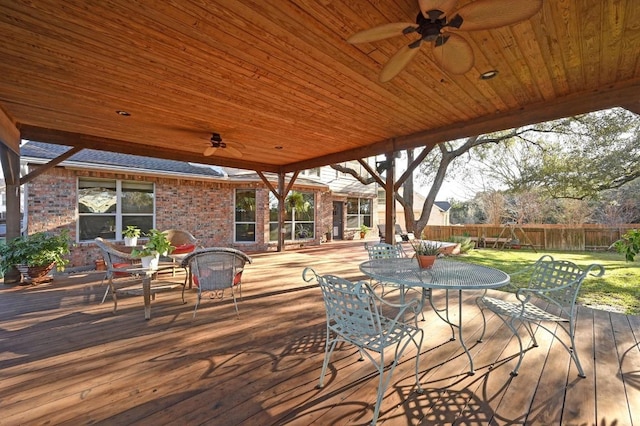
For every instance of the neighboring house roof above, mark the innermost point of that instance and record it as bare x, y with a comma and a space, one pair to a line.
442, 205
40, 152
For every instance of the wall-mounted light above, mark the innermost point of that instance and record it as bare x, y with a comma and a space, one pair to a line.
382, 166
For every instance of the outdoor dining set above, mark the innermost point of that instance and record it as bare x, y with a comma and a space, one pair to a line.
385, 311
212, 270
358, 312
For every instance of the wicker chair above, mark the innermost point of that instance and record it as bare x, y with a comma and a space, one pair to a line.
552, 283
215, 270
354, 315
183, 243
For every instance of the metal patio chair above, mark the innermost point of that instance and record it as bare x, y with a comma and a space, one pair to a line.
216, 269
354, 315
390, 251
549, 299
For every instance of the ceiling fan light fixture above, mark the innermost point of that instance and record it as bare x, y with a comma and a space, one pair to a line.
488, 75
216, 141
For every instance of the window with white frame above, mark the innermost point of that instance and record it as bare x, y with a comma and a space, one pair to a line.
315, 172
299, 222
359, 212
106, 207
245, 216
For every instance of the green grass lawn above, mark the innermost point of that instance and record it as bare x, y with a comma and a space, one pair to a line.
618, 290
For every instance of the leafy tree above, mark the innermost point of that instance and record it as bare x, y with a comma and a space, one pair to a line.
521, 173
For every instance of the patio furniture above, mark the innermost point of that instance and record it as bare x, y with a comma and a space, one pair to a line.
387, 251
384, 250
448, 275
406, 236
548, 300
354, 315
184, 244
216, 269
121, 263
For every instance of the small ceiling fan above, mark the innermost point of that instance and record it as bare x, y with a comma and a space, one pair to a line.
218, 144
438, 25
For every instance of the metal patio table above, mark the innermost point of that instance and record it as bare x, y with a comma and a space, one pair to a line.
446, 274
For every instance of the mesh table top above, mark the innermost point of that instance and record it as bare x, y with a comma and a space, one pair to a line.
445, 274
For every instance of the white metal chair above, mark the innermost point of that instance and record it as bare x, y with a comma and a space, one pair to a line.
390, 251
553, 285
216, 269
354, 315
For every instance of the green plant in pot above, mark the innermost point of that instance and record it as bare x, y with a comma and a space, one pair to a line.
131, 235
158, 244
36, 255
426, 252
629, 244
363, 230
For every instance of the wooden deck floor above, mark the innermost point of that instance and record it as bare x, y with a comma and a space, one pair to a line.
66, 359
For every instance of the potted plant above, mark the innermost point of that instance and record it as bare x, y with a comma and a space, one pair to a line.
131, 235
629, 244
36, 255
158, 244
363, 230
328, 234
426, 252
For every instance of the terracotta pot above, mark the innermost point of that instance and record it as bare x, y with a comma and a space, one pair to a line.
426, 262
100, 265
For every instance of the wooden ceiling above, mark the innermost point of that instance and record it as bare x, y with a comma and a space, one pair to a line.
279, 82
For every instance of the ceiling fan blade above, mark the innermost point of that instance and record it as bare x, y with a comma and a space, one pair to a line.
398, 61
444, 6
381, 32
487, 14
234, 152
453, 53
209, 151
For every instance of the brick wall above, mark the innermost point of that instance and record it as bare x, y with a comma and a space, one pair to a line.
203, 208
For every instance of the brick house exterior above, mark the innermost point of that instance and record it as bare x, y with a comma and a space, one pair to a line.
201, 204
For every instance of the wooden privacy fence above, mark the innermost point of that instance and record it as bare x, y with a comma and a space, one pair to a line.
543, 237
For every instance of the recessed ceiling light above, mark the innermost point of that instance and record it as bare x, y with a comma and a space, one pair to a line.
123, 113
488, 75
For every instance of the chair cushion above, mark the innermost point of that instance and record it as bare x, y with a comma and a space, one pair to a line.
184, 248
121, 265
236, 280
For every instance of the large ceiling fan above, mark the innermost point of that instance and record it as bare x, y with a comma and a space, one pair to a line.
437, 23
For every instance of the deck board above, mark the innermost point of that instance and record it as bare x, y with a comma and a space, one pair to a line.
67, 359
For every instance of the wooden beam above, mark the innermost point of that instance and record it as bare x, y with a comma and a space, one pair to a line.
374, 174
411, 167
605, 97
43, 168
10, 165
267, 183
9, 133
127, 147
390, 200
633, 107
